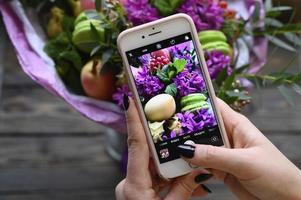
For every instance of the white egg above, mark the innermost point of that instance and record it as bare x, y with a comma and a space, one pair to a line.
160, 107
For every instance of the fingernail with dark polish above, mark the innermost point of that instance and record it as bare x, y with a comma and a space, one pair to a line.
186, 150
202, 177
126, 102
206, 188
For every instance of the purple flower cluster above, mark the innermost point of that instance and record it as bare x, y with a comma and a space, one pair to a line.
189, 82
216, 62
140, 12
119, 94
147, 84
206, 14
195, 121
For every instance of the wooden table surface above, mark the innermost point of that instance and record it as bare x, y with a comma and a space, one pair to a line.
49, 151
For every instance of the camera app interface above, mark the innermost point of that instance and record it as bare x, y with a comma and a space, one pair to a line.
174, 95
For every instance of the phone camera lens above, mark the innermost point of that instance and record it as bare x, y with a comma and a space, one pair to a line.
143, 36
153, 28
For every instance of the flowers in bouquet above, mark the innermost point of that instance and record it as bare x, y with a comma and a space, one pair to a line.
148, 85
140, 12
216, 62
192, 121
189, 82
78, 38
119, 94
206, 14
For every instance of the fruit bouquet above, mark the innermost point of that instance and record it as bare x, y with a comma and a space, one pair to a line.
77, 59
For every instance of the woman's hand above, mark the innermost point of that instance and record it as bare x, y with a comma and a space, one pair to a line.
254, 169
142, 181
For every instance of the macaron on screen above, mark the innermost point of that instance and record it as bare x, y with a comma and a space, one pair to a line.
174, 95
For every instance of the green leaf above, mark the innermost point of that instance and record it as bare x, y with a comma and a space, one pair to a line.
297, 78
179, 64
222, 76
73, 57
106, 56
230, 100
287, 28
280, 43
273, 14
171, 89
295, 39
228, 82
54, 47
242, 68
163, 76
256, 13
272, 22
68, 23
166, 7
286, 94
281, 8
62, 70
95, 50
239, 95
99, 4
95, 32
297, 88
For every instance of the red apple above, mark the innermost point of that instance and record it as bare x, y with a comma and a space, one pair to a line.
96, 85
159, 53
87, 4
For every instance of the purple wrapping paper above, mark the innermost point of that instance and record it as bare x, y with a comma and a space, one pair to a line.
105, 113
35, 67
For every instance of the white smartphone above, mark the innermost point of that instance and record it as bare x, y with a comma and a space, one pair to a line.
167, 73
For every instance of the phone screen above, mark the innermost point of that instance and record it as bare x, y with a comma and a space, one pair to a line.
174, 95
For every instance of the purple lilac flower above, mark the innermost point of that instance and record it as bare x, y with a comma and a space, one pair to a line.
147, 84
206, 14
203, 119
144, 59
120, 92
140, 12
189, 82
187, 123
173, 134
216, 62
198, 120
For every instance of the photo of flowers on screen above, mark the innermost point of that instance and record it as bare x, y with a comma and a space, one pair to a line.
173, 92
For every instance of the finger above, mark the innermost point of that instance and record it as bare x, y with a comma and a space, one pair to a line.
218, 174
201, 191
237, 125
138, 152
207, 156
230, 117
119, 191
183, 187
235, 186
